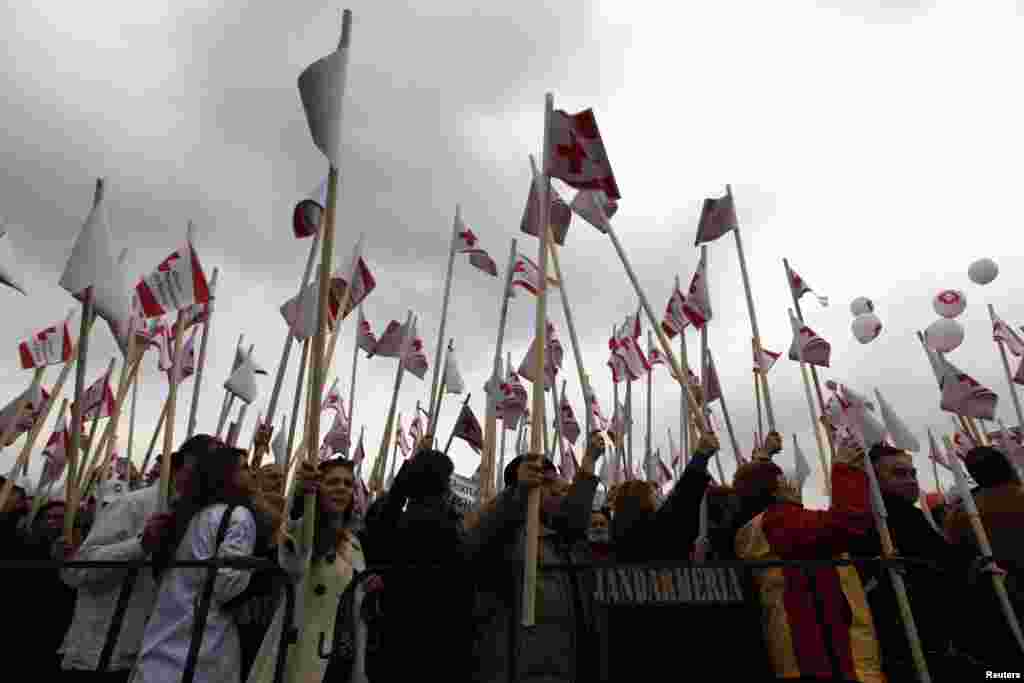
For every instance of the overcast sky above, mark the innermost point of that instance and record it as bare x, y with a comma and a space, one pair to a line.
871, 143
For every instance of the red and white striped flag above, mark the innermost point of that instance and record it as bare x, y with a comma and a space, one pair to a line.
559, 215
570, 427
468, 243
963, 395
526, 275
1004, 333
799, 287
46, 347
816, 350
577, 155
98, 399
467, 428
717, 217
675, 316
767, 360
697, 305
177, 283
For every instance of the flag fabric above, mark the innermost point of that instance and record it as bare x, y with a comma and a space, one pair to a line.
1018, 376
177, 283
594, 207
360, 495
360, 454
662, 475
577, 155
453, 382
301, 311
467, 428
279, 446
49, 346
655, 356
513, 405
364, 283
717, 217
92, 257
617, 429
597, 419
56, 453
1001, 332
322, 90
98, 399
767, 360
415, 360
799, 287
615, 361
526, 275
963, 395
365, 340
567, 467
390, 343
468, 243
697, 305
935, 453
188, 359
194, 315
416, 433
333, 399
242, 382
338, 438
802, 468
553, 358
675, 315
559, 213
570, 426
816, 350
10, 272
711, 386
403, 444
899, 434
35, 398
306, 218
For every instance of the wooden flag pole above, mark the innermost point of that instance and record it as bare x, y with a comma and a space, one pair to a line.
757, 401
753, 317
725, 413
399, 373
681, 375
998, 580
346, 297
434, 407
44, 414
629, 428
172, 404
537, 427
132, 364
435, 401
89, 455
152, 441
131, 418
394, 453
619, 437
352, 382
651, 469
557, 412
297, 400
795, 324
488, 487
38, 500
684, 405
197, 387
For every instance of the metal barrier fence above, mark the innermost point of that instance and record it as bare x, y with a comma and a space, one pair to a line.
289, 630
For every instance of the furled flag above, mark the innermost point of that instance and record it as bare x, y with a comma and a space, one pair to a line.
570, 427
453, 382
468, 243
567, 467
403, 443
35, 398
415, 360
675, 316
526, 275
467, 428
899, 434
47, 347
597, 419
962, 395
717, 217
365, 341
636, 363
333, 399
697, 306
177, 283
279, 446
513, 405
802, 469
338, 438
10, 272
241, 354
242, 382
935, 454
711, 386
322, 90
615, 361
816, 350
576, 153
617, 429
559, 215
799, 287
98, 399
56, 453
306, 218
1004, 333
768, 358
594, 207
552, 359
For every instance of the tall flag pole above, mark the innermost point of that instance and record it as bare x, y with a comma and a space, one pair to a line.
795, 324
650, 466
201, 365
435, 401
725, 413
1003, 335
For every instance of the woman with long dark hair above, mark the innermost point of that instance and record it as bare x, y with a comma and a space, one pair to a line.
219, 482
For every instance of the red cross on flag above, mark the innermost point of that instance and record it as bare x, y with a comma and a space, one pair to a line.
46, 347
577, 155
177, 283
468, 243
415, 360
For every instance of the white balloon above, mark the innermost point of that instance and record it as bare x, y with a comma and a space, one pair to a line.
983, 271
866, 327
861, 305
945, 334
949, 303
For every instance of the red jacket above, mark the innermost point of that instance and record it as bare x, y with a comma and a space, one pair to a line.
791, 600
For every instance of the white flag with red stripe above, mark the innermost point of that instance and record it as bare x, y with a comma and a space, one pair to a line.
468, 243
697, 306
526, 275
799, 287
47, 347
415, 360
675, 316
177, 283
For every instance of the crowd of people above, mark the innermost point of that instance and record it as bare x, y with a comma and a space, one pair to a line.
411, 587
